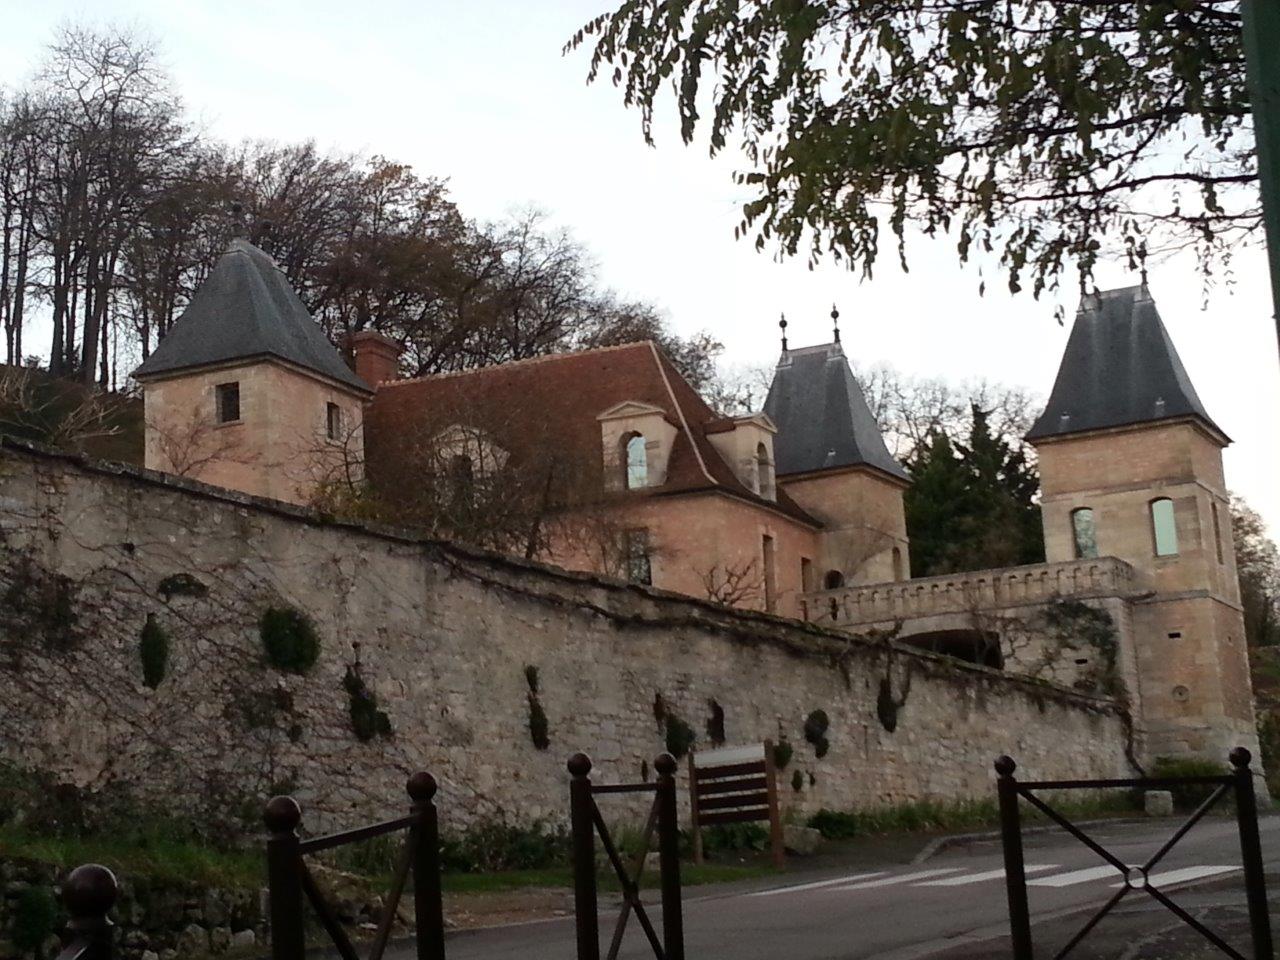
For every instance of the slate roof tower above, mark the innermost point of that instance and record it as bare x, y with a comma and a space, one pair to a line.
1131, 467
832, 458
246, 391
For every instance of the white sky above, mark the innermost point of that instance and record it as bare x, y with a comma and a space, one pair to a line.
477, 91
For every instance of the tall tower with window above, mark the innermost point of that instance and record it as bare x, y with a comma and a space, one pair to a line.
246, 392
1131, 467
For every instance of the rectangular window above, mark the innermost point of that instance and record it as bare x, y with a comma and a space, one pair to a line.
333, 421
1217, 531
806, 574
770, 583
636, 544
227, 397
1164, 527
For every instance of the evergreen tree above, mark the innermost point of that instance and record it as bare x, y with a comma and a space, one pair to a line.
972, 507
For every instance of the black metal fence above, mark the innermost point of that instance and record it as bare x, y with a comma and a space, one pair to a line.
1239, 781
291, 882
89, 893
587, 822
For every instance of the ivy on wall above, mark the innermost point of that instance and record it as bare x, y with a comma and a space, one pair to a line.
367, 721
153, 650
539, 728
782, 753
715, 723
1073, 624
815, 731
289, 639
45, 603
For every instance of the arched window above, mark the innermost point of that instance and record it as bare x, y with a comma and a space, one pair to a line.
1164, 527
636, 459
834, 580
1084, 533
764, 472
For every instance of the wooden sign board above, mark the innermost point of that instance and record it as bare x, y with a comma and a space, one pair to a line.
735, 785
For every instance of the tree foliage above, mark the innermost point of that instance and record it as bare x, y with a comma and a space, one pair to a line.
972, 506
1035, 130
1258, 565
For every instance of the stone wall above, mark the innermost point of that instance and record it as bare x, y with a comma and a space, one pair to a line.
443, 638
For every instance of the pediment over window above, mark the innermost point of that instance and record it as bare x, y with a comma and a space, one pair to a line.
631, 408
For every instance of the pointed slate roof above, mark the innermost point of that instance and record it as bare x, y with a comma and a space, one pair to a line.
822, 417
244, 309
1120, 368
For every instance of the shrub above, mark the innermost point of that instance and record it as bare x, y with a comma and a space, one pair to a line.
815, 731
1192, 795
835, 824
154, 652
782, 753
35, 918
797, 781
498, 845
727, 837
289, 639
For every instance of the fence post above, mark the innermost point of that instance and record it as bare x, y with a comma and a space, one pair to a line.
581, 804
1015, 875
89, 893
284, 879
428, 903
1255, 883
669, 858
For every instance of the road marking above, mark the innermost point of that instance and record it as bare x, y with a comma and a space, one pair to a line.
984, 876
1183, 875
901, 878
1074, 877
815, 886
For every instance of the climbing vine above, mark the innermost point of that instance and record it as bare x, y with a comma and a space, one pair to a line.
539, 728
153, 650
715, 723
815, 731
367, 721
1071, 624
289, 639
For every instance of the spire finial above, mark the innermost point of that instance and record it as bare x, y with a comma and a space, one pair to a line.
782, 325
835, 321
239, 226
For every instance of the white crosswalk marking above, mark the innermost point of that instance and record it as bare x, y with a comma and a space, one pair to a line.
1183, 875
1074, 877
901, 878
817, 885
984, 876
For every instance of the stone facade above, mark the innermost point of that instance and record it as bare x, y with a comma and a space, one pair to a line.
442, 637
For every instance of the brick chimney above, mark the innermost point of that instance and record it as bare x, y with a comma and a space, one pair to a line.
377, 358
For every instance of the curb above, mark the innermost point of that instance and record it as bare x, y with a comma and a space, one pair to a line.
939, 844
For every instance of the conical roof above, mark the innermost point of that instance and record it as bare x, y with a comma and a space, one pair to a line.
1120, 368
822, 417
245, 309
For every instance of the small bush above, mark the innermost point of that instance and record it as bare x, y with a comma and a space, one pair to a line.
730, 837
815, 731
35, 918
1192, 795
680, 736
289, 639
797, 781
498, 845
835, 824
154, 652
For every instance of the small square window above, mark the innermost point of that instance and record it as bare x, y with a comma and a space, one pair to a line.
228, 401
333, 421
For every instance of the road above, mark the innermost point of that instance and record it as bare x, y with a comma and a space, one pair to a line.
896, 911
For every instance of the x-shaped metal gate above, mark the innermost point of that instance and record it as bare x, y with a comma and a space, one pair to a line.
1135, 877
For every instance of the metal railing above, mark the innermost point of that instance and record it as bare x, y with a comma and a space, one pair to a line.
1240, 780
89, 893
291, 881
587, 822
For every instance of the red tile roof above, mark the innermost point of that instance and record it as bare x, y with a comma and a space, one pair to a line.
556, 399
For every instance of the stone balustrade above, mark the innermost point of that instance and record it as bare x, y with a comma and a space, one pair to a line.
973, 590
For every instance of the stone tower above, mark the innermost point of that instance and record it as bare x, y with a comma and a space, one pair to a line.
831, 458
1131, 467
246, 392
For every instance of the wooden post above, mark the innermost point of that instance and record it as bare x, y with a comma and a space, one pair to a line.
693, 811
89, 893
669, 858
585, 908
428, 902
284, 879
776, 842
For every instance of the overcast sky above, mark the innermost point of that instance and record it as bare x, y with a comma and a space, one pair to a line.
478, 92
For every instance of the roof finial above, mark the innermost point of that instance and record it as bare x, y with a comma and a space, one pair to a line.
239, 227
782, 325
835, 321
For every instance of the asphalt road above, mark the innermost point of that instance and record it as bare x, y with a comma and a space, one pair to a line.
897, 911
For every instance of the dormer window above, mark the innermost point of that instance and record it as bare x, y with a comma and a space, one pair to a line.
636, 459
227, 401
764, 473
